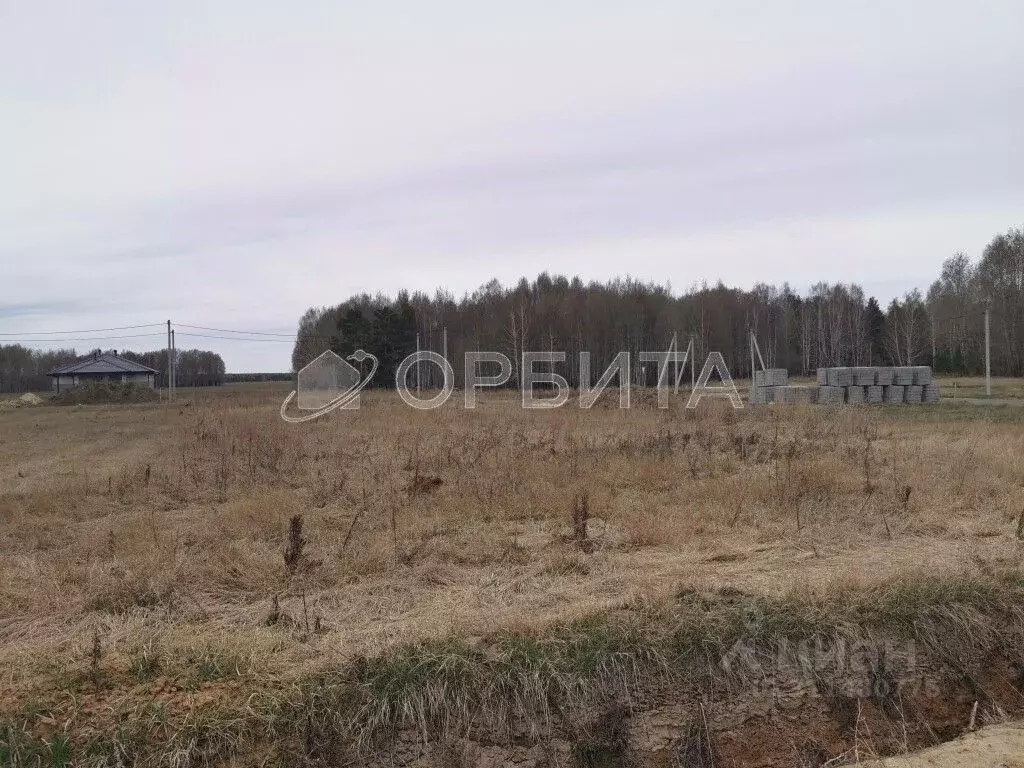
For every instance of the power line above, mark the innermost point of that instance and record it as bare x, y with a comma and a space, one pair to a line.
84, 330
238, 335
286, 336
235, 338
86, 338
228, 330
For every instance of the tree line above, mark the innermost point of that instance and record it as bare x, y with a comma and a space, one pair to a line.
192, 367
23, 369
832, 324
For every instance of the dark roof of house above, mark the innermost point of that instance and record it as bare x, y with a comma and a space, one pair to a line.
105, 363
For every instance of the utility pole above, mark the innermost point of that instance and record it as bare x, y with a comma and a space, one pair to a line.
933, 342
444, 348
750, 343
988, 357
168, 382
693, 369
174, 361
417, 365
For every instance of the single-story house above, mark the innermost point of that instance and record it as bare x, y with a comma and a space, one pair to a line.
101, 367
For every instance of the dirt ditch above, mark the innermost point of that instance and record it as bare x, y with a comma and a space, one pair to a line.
710, 680
794, 716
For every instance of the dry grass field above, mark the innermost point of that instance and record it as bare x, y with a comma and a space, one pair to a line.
192, 584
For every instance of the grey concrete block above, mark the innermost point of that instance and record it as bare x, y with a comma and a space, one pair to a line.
854, 395
883, 376
930, 393
874, 394
771, 377
822, 377
913, 394
762, 396
796, 395
922, 375
864, 376
831, 395
903, 376
839, 377
894, 394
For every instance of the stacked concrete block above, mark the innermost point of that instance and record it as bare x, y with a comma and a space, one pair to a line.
864, 376
766, 383
839, 377
796, 395
856, 385
903, 376
831, 395
772, 377
894, 394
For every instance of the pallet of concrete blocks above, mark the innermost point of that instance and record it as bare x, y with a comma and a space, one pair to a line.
893, 394
864, 376
855, 395
903, 376
796, 395
772, 377
831, 395
913, 394
766, 383
839, 377
930, 393
873, 394
922, 375
883, 377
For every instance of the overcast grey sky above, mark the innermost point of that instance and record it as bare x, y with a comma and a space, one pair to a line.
230, 164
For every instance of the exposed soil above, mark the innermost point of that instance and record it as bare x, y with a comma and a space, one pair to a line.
785, 720
997, 745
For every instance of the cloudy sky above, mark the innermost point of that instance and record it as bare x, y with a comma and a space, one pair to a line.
229, 164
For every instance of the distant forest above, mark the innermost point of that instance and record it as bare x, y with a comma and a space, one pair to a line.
23, 369
833, 324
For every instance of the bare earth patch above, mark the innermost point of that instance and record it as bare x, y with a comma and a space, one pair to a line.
996, 745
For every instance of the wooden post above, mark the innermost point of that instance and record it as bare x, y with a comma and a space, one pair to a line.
167, 381
988, 357
174, 361
750, 343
